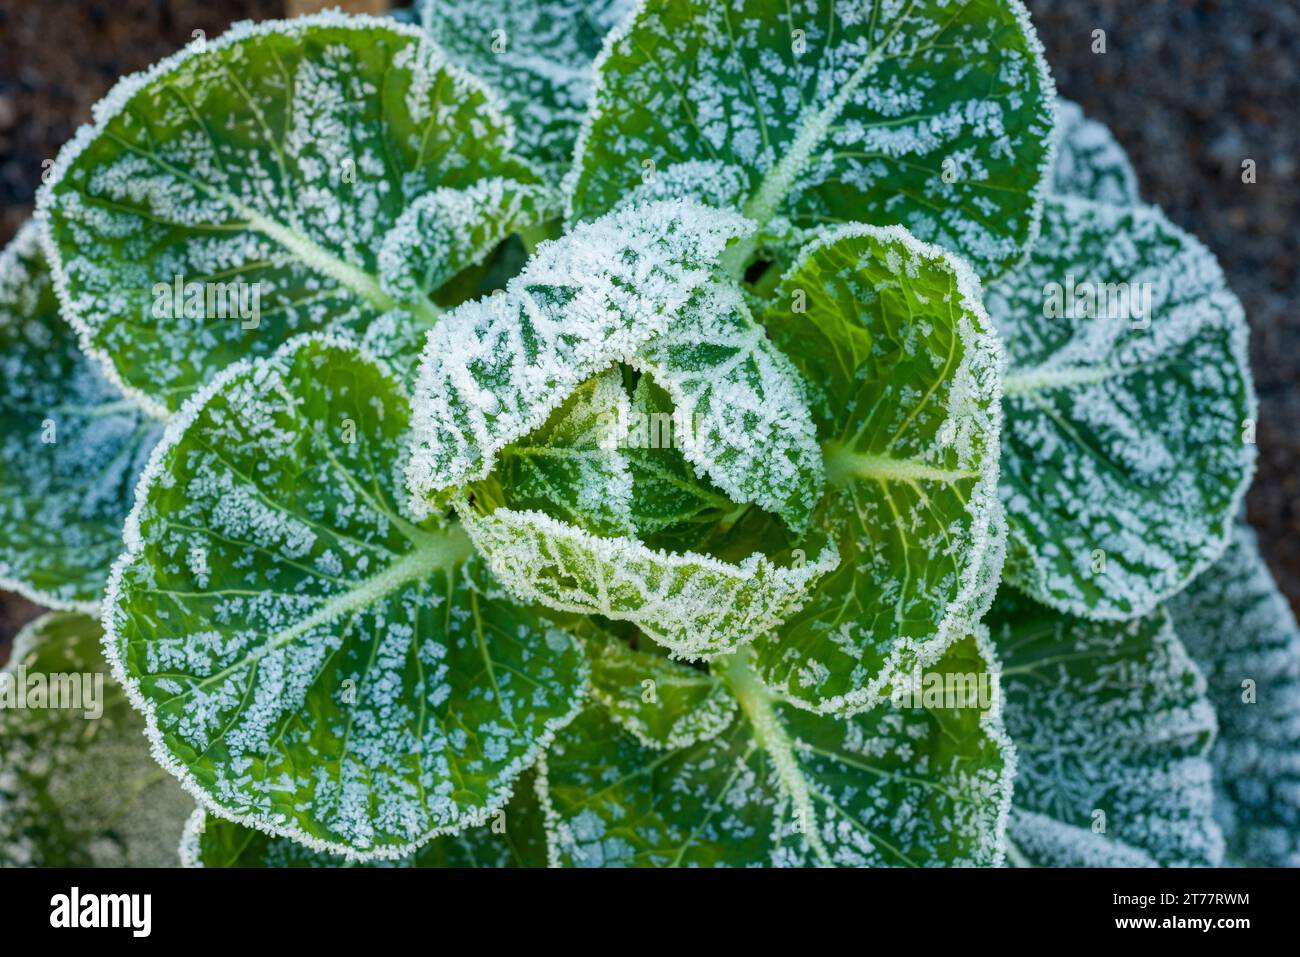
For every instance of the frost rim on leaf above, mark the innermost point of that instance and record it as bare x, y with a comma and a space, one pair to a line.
689, 639
124, 90
984, 350
176, 428
26, 243
990, 722
1026, 569
1038, 53
448, 449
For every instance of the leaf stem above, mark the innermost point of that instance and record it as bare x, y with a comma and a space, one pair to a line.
756, 701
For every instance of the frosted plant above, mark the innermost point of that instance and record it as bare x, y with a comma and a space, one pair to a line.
593, 434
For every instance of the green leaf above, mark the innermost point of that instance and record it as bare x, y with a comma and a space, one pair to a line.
780, 786
931, 114
1239, 628
1111, 725
494, 370
310, 662
266, 169
570, 467
660, 702
1090, 164
78, 787
513, 836
667, 496
1129, 423
694, 605
536, 53
71, 446
903, 375
740, 405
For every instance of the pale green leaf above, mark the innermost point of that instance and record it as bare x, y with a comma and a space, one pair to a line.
911, 786
1111, 725
1090, 164
536, 53
494, 370
78, 787
1129, 422
903, 376
694, 605
310, 662
1239, 628
512, 836
930, 114
71, 446
264, 170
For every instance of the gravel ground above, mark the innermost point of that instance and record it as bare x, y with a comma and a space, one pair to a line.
1190, 88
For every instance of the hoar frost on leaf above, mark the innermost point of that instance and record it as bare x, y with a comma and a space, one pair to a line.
1089, 162
1112, 727
78, 787
909, 786
660, 702
694, 605
747, 425
1128, 406
1240, 630
932, 114
493, 370
309, 661
904, 376
570, 467
512, 836
537, 54
259, 174
71, 445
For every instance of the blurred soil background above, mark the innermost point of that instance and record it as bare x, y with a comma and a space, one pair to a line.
1191, 88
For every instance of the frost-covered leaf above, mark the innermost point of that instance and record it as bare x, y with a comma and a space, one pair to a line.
1111, 725
932, 114
443, 231
512, 836
78, 787
739, 404
242, 191
71, 446
493, 370
570, 467
1239, 628
780, 786
1129, 410
1090, 164
692, 604
1036, 840
309, 661
537, 54
660, 702
667, 496
903, 375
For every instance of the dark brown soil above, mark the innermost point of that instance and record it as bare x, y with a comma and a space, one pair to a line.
1190, 88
